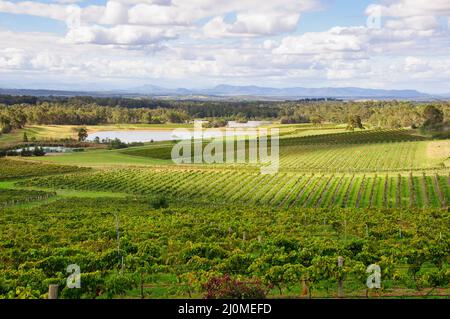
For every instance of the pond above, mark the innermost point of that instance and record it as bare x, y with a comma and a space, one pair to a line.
50, 149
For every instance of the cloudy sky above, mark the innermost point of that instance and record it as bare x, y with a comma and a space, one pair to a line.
98, 44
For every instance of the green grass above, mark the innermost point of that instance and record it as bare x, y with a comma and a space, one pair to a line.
99, 158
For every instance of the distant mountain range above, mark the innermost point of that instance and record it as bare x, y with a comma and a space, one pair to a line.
230, 91
294, 92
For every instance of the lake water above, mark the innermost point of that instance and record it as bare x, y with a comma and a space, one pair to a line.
130, 136
147, 136
137, 136
133, 136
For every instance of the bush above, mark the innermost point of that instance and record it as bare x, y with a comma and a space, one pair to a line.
117, 284
116, 144
216, 123
159, 202
26, 152
11, 153
227, 288
295, 119
38, 151
441, 135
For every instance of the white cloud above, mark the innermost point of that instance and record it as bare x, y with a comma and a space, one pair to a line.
411, 14
115, 13
334, 40
145, 14
121, 35
411, 8
270, 17
415, 65
252, 24
11, 58
413, 23
53, 11
68, 1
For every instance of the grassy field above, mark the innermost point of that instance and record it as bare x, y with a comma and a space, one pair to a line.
101, 158
372, 196
362, 151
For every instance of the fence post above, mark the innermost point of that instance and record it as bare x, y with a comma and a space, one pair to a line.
142, 285
304, 287
52, 291
341, 282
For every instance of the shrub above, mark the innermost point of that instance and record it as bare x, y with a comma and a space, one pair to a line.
225, 287
38, 151
159, 202
26, 152
116, 144
118, 284
11, 153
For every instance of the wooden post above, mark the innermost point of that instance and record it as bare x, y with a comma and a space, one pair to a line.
304, 287
52, 291
117, 233
142, 285
341, 282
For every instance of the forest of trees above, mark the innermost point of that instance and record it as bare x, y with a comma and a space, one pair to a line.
94, 111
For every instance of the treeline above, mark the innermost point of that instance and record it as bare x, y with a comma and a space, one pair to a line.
198, 109
383, 114
16, 116
94, 111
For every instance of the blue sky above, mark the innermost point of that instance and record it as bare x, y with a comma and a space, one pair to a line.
180, 43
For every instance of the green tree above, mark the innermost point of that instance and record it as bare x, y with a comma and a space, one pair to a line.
5, 125
82, 134
354, 121
434, 118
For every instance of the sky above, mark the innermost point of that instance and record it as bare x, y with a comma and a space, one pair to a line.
121, 44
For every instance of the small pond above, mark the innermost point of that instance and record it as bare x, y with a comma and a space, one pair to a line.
50, 149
